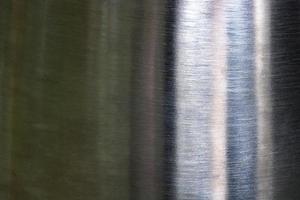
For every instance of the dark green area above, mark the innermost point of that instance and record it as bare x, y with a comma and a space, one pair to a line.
65, 70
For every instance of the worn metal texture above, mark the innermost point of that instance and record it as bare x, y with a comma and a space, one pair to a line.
149, 99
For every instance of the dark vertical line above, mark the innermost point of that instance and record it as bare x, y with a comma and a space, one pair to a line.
169, 100
285, 62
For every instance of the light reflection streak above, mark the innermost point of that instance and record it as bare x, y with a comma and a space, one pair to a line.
218, 122
242, 115
264, 107
222, 100
193, 79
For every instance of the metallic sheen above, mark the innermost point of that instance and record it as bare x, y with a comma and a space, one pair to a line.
149, 99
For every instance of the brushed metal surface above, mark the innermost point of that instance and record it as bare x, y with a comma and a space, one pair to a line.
149, 99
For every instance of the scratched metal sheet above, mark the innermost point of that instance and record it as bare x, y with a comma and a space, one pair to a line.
149, 99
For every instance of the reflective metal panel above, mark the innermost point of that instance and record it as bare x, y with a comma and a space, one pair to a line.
149, 99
